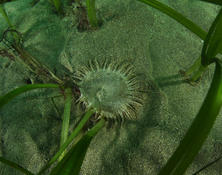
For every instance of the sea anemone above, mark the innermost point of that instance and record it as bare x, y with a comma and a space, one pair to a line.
112, 89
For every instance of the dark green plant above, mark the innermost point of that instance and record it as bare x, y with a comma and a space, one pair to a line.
9, 96
203, 122
206, 166
27, 59
73, 135
77, 137
15, 166
218, 2
197, 69
72, 161
66, 117
90, 5
176, 16
78, 150
213, 42
200, 128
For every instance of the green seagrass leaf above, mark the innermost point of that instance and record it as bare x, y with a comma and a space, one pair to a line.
177, 16
15, 166
218, 2
73, 137
12, 94
199, 129
213, 42
72, 161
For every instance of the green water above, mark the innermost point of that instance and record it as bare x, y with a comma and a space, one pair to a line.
156, 45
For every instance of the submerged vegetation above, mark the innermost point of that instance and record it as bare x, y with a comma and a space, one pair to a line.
91, 86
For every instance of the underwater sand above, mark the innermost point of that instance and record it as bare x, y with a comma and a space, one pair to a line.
155, 44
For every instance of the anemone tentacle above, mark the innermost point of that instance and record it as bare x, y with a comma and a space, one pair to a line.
112, 88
